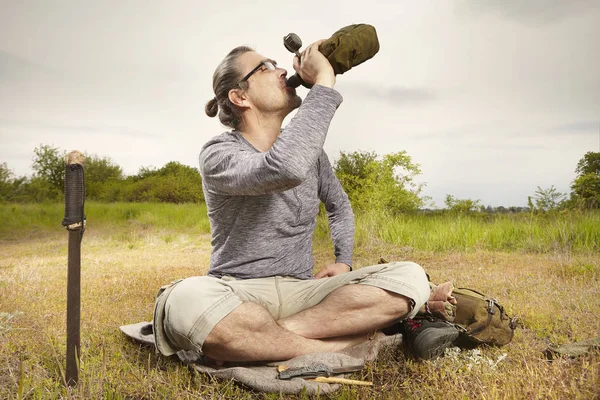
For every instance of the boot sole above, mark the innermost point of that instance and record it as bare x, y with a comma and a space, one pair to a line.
434, 341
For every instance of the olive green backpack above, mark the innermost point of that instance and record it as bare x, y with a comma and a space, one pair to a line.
481, 319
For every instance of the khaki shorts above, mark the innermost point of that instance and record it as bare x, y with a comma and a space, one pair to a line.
187, 310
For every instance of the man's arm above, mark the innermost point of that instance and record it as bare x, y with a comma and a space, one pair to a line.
340, 215
230, 169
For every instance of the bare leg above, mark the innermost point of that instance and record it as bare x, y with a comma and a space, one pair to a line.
349, 310
249, 333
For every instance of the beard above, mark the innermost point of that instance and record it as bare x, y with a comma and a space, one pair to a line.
277, 103
294, 102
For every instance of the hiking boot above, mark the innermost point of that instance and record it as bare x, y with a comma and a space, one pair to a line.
427, 339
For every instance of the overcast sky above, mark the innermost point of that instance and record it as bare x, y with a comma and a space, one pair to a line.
491, 98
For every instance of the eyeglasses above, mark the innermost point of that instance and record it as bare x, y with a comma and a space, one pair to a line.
267, 65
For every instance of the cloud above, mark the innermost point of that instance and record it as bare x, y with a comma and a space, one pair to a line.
13, 67
513, 146
531, 11
393, 95
493, 133
76, 128
578, 127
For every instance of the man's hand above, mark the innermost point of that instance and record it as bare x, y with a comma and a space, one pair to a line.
314, 67
332, 270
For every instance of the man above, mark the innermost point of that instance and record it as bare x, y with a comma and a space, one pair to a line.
263, 185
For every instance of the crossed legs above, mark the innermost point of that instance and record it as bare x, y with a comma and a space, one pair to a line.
280, 318
344, 318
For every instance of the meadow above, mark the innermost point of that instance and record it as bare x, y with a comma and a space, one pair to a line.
545, 268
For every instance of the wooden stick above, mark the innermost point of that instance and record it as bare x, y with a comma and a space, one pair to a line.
331, 379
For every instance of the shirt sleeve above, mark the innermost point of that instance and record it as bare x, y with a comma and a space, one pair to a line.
230, 168
339, 211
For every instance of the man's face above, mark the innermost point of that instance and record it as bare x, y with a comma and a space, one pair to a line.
266, 89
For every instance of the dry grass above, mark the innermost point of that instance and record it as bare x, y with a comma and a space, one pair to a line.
555, 295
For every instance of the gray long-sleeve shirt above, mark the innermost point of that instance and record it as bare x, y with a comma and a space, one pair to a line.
262, 206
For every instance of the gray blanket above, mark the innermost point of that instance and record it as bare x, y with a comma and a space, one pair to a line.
263, 377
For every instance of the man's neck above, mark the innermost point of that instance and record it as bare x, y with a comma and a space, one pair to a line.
261, 130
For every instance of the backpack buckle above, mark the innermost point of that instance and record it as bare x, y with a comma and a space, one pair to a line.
491, 306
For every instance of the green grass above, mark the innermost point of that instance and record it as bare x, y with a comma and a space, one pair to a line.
538, 233
23, 220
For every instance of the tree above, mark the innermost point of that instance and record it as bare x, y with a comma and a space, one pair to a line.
23, 189
589, 164
145, 172
100, 173
586, 191
5, 173
6, 180
462, 205
586, 186
355, 164
101, 169
384, 183
49, 165
547, 199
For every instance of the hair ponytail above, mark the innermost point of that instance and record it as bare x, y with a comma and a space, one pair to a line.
212, 107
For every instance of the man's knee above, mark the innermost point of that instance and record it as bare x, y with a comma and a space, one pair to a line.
193, 308
404, 277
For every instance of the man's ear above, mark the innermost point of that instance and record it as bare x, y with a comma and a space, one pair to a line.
239, 98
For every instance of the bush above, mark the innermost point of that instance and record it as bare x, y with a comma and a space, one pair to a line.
586, 187
6, 178
462, 206
586, 191
98, 172
173, 183
380, 183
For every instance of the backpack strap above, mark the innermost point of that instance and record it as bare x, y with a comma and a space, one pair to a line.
491, 303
